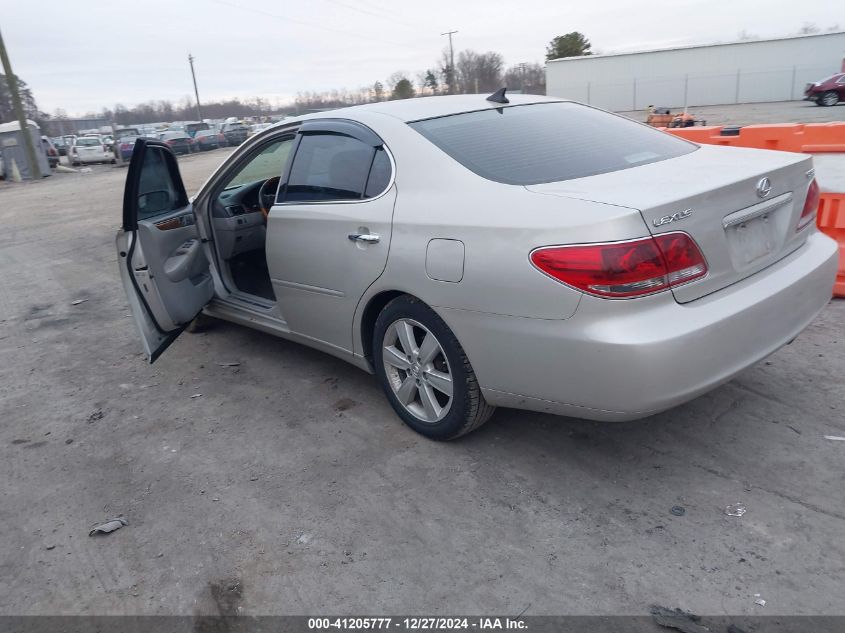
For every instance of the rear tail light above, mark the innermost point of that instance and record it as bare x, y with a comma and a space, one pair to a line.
811, 205
624, 269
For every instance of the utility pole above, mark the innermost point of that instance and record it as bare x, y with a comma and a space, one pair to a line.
196, 92
451, 62
11, 80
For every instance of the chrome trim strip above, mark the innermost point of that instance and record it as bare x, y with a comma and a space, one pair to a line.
756, 210
318, 289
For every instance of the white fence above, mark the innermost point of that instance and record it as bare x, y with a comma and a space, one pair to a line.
757, 86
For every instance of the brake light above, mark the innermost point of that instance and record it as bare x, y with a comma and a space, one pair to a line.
811, 205
624, 269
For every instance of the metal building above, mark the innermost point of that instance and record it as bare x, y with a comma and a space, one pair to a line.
12, 149
740, 72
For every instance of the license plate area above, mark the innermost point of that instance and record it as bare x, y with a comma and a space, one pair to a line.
758, 236
751, 240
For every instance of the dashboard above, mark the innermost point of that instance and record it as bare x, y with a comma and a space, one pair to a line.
238, 221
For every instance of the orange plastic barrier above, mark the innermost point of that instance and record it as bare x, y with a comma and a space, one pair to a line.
831, 220
786, 137
790, 137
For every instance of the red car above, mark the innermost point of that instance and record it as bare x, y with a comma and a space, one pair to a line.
827, 92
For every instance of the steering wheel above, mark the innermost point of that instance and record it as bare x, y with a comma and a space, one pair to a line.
267, 195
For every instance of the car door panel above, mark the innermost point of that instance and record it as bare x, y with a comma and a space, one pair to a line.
162, 263
318, 272
329, 236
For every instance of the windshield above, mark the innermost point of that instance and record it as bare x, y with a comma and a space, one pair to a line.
547, 142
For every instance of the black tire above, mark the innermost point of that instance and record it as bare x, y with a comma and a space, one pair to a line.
201, 323
829, 98
468, 410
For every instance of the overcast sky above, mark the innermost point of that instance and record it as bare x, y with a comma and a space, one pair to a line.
87, 54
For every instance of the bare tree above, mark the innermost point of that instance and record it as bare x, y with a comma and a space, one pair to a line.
809, 28
528, 78
479, 72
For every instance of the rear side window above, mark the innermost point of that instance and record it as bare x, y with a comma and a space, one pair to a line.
379, 174
547, 142
331, 167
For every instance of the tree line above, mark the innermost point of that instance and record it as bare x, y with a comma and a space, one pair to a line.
472, 72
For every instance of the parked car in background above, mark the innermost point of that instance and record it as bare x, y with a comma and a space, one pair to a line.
528, 252
209, 139
89, 149
827, 92
125, 145
192, 128
51, 152
60, 144
257, 127
179, 142
235, 132
127, 132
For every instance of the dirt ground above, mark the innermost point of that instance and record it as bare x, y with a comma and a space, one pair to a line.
286, 485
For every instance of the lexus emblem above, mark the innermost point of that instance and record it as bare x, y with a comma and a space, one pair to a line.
764, 187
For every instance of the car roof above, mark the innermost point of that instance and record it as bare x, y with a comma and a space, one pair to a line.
430, 107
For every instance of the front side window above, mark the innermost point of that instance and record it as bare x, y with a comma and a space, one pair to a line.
330, 166
268, 163
547, 142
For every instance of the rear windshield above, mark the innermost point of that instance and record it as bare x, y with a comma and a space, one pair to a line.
88, 142
547, 142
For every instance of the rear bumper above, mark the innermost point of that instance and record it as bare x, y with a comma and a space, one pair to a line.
624, 360
98, 158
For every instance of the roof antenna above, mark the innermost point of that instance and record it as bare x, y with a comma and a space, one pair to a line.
498, 96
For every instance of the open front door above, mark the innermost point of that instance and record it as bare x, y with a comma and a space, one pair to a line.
162, 264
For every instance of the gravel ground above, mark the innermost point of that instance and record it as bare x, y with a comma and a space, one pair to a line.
289, 486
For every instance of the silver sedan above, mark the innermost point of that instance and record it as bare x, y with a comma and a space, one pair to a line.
478, 252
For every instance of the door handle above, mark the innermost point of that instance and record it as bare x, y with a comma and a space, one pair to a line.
367, 238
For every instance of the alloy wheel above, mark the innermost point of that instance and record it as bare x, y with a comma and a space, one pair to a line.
830, 98
417, 370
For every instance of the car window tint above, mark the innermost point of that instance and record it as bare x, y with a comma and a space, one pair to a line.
157, 193
548, 142
328, 167
379, 174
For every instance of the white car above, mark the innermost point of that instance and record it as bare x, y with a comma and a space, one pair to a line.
90, 149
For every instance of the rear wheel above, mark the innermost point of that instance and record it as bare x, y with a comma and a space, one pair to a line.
830, 98
425, 372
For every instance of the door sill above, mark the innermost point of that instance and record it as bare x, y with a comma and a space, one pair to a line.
248, 310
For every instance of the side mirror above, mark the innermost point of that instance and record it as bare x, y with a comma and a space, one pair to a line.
154, 202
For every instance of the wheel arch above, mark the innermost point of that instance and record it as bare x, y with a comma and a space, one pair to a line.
374, 306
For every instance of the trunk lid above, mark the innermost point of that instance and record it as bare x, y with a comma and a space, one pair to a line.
712, 195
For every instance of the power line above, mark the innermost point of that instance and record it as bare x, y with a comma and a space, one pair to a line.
379, 13
451, 76
12, 82
308, 24
196, 92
